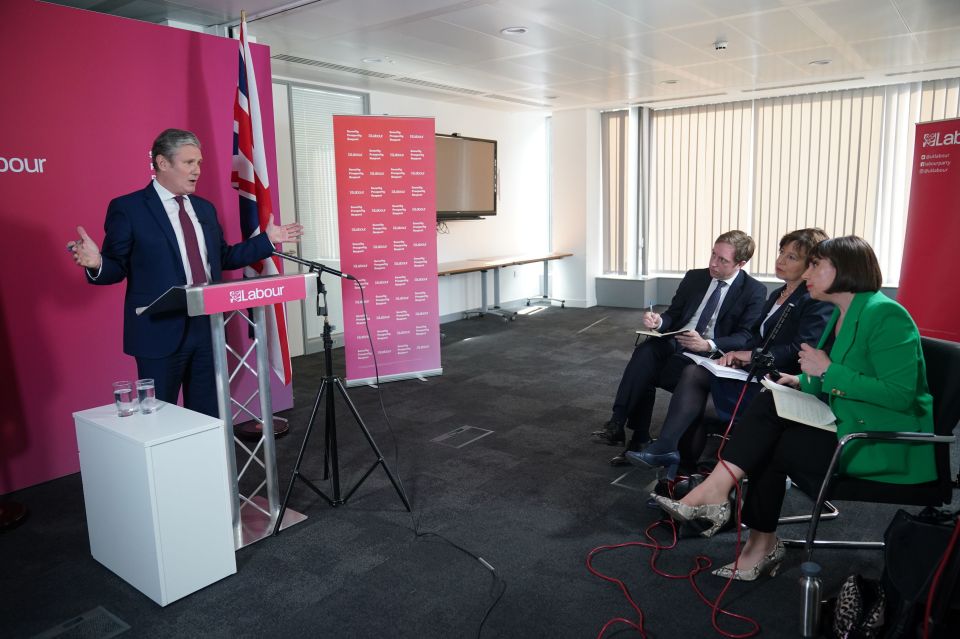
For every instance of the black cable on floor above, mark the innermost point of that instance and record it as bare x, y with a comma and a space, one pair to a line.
497, 580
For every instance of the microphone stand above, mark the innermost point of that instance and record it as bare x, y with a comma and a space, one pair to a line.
761, 363
331, 460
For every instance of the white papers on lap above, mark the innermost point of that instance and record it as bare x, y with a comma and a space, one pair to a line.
801, 407
720, 371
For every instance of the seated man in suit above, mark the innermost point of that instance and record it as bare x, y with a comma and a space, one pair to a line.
162, 236
716, 307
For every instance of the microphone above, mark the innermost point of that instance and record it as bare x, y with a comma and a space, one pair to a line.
762, 359
315, 266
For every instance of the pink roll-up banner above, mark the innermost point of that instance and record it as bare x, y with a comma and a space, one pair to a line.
927, 284
387, 217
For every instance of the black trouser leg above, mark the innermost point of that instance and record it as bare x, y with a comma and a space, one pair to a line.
769, 449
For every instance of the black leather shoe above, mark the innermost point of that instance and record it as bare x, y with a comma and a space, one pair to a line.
611, 434
621, 460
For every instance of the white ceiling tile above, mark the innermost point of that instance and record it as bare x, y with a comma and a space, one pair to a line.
924, 15
840, 64
686, 82
350, 53
472, 79
615, 61
545, 94
582, 16
727, 8
941, 46
664, 49
703, 36
366, 13
626, 87
491, 19
778, 30
442, 42
294, 24
660, 14
889, 53
861, 19
564, 67
511, 69
767, 69
721, 74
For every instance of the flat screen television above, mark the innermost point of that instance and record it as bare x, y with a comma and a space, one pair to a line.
466, 177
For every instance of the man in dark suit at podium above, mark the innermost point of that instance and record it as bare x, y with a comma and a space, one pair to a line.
164, 236
716, 307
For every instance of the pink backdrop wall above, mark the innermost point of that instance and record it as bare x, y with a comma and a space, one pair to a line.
87, 93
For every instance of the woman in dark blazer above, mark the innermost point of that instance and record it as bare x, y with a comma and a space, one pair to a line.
873, 377
803, 325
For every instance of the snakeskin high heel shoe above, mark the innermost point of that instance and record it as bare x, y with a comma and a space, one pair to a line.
769, 564
717, 514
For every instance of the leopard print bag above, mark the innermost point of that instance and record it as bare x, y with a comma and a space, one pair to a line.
858, 612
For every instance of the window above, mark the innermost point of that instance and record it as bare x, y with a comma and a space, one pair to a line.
839, 160
315, 181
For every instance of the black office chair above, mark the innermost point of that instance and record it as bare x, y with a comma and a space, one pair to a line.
943, 377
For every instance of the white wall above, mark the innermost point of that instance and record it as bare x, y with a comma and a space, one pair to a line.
520, 226
576, 204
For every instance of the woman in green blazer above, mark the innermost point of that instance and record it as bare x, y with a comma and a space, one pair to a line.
868, 367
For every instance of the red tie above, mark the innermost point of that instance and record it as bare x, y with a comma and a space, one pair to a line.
199, 274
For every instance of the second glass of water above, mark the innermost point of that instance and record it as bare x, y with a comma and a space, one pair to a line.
147, 394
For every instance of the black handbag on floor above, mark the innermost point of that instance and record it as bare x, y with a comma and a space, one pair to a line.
915, 546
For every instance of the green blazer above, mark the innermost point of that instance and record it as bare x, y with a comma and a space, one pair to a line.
877, 381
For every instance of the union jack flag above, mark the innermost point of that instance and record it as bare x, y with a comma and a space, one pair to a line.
252, 182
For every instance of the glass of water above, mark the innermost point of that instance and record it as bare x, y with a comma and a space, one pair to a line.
124, 398
147, 395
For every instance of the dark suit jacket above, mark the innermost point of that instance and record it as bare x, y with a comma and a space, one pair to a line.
804, 325
738, 314
141, 247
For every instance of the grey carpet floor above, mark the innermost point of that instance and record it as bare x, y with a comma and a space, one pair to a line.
532, 498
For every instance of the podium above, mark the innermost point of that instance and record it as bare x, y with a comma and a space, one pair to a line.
254, 516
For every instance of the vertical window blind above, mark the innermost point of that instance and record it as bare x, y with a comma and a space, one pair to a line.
838, 160
315, 183
614, 178
699, 182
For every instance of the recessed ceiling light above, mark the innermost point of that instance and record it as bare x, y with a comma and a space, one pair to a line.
513, 30
669, 81
375, 60
821, 63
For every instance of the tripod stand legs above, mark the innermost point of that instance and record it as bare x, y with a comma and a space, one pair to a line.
331, 453
373, 445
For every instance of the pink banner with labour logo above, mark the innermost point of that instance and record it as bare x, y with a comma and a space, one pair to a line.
925, 279
387, 216
261, 291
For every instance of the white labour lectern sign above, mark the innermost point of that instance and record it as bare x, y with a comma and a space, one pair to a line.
254, 516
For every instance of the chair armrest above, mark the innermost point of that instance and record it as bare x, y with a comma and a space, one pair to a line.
875, 435
894, 436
